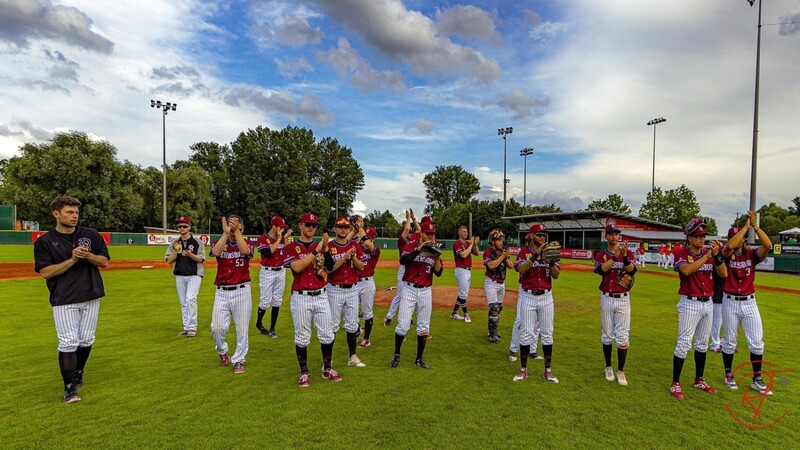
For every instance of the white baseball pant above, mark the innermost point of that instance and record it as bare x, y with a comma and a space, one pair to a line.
495, 292
615, 319
746, 313
398, 293
419, 300
366, 296
76, 324
515, 331
716, 326
344, 301
271, 284
188, 287
641, 259
694, 321
308, 309
536, 312
463, 277
236, 304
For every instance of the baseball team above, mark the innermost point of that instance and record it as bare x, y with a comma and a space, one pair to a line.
333, 281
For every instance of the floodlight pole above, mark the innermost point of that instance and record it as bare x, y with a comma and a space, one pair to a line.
654, 123
525, 152
165, 108
504, 132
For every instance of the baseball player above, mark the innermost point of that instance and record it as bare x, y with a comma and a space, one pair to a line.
640, 252
662, 256
739, 301
187, 255
670, 257
615, 302
405, 238
463, 249
272, 278
366, 283
309, 302
233, 297
67, 257
694, 264
535, 307
344, 261
418, 279
496, 259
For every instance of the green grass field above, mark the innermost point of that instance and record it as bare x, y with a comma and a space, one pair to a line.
145, 387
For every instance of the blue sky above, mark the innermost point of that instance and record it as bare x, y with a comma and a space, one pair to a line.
409, 85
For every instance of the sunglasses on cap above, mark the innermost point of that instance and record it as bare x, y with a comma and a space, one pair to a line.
310, 225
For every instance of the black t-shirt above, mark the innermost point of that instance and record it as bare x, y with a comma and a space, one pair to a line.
82, 281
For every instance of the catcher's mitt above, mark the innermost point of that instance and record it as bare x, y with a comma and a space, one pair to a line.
551, 253
625, 280
430, 250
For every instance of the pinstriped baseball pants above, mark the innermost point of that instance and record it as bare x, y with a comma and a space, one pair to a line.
76, 324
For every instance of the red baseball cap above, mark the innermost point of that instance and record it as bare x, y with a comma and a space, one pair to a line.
612, 228
426, 219
342, 222
183, 219
732, 231
428, 228
278, 221
309, 218
371, 233
535, 229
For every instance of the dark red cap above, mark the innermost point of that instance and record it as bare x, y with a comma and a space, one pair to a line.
732, 232
183, 219
309, 218
371, 233
278, 221
428, 228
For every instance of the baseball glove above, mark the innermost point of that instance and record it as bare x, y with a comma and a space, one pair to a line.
430, 250
625, 280
319, 266
551, 253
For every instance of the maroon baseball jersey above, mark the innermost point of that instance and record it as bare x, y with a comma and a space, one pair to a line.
347, 273
741, 273
420, 270
268, 258
641, 250
700, 283
306, 280
372, 261
499, 273
609, 281
232, 267
460, 246
537, 278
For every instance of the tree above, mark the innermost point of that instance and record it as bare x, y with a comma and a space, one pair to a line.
613, 203
213, 158
675, 206
189, 188
384, 223
775, 219
335, 175
73, 164
448, 185
796, 208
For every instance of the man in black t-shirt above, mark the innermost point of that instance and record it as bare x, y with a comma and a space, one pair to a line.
187, 254
68, 257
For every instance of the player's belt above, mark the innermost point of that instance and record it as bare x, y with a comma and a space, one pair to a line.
465, 268
272, 268
616, 295
311, 293
364, 279
498, 281
700, 299
232, 288
740, 298
532, 292
418, 286
343, 286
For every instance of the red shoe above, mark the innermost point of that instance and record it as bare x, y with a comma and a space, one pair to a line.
700, 383
304, 380
238, 367
675, 390
330, 374
224, 360
364, 344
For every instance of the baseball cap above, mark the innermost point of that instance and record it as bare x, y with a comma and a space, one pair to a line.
695, 227
426, 219
309, 218
732, 231
535, 229
371, 233
612, 228
278, 221
428, 228
342, 222
183, 219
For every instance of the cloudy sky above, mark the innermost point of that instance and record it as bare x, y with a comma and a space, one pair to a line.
411, 84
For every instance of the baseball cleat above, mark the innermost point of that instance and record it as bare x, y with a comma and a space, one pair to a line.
609, 373
512, 356
395, 361
387, 321
421, 364
523, 373
78, 379
456, 316
184, 333
535, 355
548, 375
467, 319
700, 383
621, 378
238, 367
717, 349
71, 395
730, 382
355, 362
364, 344
224, 360
191, 333
758, 385
304, 380
675, 390
261, 329
272, 334
330, 374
